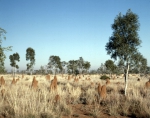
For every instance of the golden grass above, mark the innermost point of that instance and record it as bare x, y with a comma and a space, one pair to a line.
13, 81
48, 77
25, 102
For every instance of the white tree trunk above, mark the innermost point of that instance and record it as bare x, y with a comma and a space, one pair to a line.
126, 79
14, 71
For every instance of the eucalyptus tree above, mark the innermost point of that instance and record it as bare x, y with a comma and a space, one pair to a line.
102, 69
110, 66
13, 58
54, 63
86, 66
64, 65
148, 70
30, 55
140, 63
42, 70
124, 41
2, 49
81, 64
72, 66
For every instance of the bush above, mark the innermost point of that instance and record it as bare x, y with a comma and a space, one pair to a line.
104, 77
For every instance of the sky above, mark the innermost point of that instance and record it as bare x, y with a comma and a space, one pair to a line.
67, 28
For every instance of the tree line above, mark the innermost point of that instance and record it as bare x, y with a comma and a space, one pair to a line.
122, 47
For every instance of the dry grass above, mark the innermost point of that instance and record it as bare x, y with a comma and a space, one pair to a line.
22, 101
13, 81
48, 77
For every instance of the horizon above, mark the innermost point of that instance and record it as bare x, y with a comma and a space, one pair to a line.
68, 29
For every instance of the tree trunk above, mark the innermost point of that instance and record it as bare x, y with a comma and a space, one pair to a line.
14, 72
126, 79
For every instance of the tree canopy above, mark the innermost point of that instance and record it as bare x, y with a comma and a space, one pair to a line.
30, 55
124, 42
13, 58
2, 49
55, 63
110, 66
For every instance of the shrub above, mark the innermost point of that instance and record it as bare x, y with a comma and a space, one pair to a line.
104, 77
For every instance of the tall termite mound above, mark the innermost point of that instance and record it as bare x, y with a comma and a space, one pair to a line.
147, 84
102, 91
34, 83
2, 81
53, 85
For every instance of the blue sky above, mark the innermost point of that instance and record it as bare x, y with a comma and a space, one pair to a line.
67, 28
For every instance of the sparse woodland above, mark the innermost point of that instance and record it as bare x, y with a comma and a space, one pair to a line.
118, 88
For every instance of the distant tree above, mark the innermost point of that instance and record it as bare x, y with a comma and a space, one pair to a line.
13, 58
63, 65
54, 63
120, 66
139, 64
110, 66
30, 55
72, 66
42, 70
93, 72
46, 69
124, 41
76, 72
86, 66
102, 69
148, 70
81, 64
23, 72
2, 59
2, 49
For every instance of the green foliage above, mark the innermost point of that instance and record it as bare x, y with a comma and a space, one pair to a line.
125, 41
101, 69
92, 72
86, 65
42, 70
55, 63
81, 63
104, 77
2, 59
76, 72
13, 58
2, 49
63, 65
72, 66
140, 63
110, 66
2, 70
30, 55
